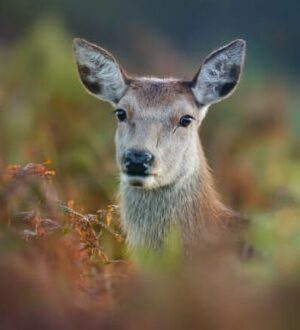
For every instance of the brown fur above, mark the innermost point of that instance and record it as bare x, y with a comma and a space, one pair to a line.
177, 189
152, 93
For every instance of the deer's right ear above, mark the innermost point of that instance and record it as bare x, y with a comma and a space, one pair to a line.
99, 71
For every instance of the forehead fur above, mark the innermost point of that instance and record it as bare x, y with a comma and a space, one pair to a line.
150, 92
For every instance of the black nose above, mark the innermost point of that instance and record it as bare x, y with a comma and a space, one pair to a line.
137, 162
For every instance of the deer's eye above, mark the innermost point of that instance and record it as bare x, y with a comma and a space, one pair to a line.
120, 114
186, 120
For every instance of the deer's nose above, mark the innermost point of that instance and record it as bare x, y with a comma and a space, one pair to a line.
137, 162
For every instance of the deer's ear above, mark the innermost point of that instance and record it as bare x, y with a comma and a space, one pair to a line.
99, 71
219, 73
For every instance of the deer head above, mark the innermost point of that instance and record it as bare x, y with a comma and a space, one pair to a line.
157, 141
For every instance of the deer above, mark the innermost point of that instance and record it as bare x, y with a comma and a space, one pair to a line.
165, 179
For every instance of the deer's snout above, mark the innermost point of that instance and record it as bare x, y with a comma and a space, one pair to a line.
137, 162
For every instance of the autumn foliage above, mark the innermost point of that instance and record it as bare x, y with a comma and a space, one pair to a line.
56, 273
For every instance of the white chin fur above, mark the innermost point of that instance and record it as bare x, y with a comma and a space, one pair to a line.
148, 182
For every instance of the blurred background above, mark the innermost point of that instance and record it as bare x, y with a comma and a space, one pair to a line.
55, 277
251, 140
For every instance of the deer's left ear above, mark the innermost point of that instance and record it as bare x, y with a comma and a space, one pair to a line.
220, 73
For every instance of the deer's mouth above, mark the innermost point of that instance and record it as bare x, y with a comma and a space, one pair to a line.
136, 173
146, 180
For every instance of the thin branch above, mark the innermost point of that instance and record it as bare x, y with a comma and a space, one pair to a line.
88, 217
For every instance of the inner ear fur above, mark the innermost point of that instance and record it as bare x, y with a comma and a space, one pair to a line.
99, 71
219, 74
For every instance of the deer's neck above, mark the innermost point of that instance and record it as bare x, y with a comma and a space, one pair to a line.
192, 205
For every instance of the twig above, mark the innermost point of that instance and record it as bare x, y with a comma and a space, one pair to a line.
90, 217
